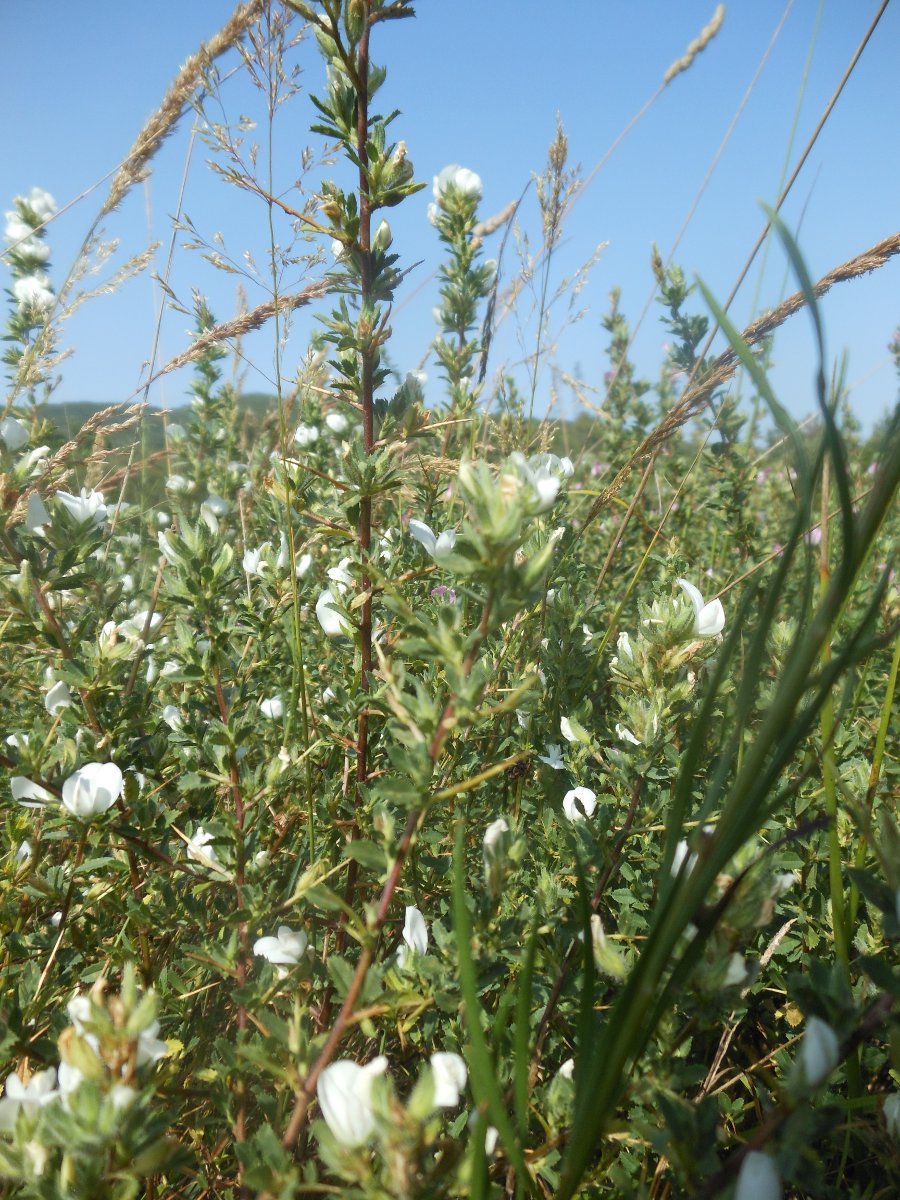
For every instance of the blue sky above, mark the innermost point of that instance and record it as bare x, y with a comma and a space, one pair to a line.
480, 82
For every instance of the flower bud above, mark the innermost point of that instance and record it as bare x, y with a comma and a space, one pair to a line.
819, 1053
383, 237
758, 1178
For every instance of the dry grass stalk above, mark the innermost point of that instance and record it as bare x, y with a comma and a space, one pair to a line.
94, 424
175, 101
238, 326
697, 46
723, 368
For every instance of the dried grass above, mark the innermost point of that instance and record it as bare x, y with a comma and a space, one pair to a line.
238, 326
176, 100
724, 367
99, 422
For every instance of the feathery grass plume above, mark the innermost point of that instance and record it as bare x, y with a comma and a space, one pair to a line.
95, 424
163, 121
238, 326
698, 45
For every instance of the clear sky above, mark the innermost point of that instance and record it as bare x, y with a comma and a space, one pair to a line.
480, 82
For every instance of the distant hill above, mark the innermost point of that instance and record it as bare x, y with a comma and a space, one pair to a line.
69, 417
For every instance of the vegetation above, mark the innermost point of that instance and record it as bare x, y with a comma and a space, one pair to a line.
407, 801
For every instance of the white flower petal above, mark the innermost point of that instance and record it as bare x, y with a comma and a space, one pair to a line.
344, 1094
415, 931
449, 1074
758, 1178
579, 803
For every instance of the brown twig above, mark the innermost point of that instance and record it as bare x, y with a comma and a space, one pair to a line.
307, 1087
874, 1016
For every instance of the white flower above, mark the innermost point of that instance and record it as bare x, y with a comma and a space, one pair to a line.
340, 574
173, 717
337, 422
344, 1091
24, 791
199, 848
217, 505
737, 971
177, 484
150, 1047
92, 789
437, 546
24, 852
33, 290
17, 229
38, 1091
304, 562
273, 708
758, 1178
551, 464
58, 698
284, 950
552, 755
133, 628
41, 203
34, 462
34, 249
13, 432
306, 435
338, 249
36, 515
383, 237
565, 728
709, 619
579, 803
88, 507
624, 734
253, 561
449, 1074
683, 855
547, 489
70, 1080
329, 618
819, 1052
892, 1114
493, 835
415, 934
623, 645
461, 178
567, 1070
108, 636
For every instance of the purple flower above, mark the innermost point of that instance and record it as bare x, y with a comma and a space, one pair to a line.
442, 592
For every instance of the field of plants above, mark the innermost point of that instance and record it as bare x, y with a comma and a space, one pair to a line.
407, 800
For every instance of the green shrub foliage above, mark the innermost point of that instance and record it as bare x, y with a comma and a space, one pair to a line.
393, 808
